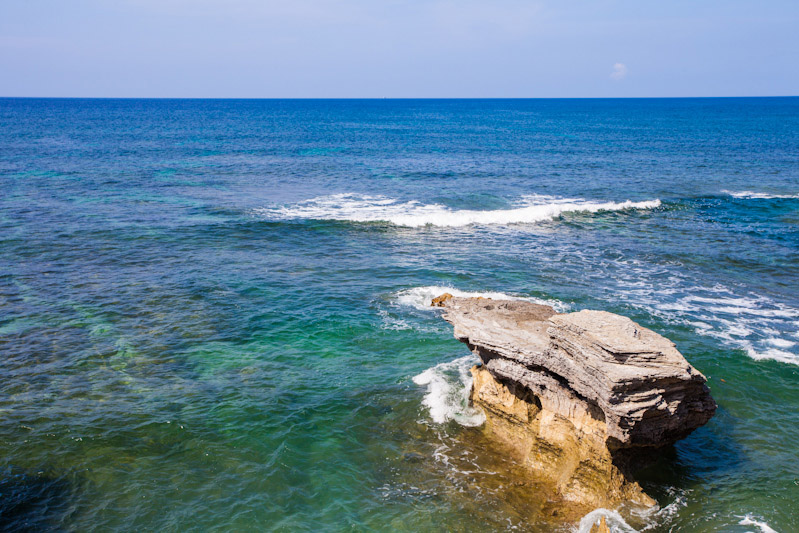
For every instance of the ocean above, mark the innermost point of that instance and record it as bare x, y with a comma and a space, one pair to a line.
214, 313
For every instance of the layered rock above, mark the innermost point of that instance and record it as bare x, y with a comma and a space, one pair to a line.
573, 393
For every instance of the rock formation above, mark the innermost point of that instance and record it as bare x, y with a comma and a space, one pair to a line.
573, 395
601, 527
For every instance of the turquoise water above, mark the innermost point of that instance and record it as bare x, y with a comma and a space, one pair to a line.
212, 312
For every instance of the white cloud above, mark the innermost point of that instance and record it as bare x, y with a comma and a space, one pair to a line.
619, 71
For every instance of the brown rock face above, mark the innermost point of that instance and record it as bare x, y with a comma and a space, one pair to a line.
439, 301
601, 527
568, 454
572, 393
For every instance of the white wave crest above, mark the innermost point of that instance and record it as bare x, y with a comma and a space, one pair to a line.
448, 386
749, 520
389, 322
421, 297
647, 518
752, 195
361, 208
751, 323
762, 326
613, 519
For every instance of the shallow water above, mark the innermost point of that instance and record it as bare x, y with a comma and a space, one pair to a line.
212, 312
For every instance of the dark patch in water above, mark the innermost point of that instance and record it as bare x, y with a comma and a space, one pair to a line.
33, 501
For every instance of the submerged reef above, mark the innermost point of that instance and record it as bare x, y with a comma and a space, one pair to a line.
580, 397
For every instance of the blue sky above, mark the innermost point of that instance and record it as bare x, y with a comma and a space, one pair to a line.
398, 48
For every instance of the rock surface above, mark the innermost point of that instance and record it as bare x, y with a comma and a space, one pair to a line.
601, 527
574, 393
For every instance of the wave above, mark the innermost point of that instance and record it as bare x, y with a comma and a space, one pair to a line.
748, 520
646, 518
617, 524
752, 195
362, 208
392, 323
613, 519
410, 309
448, 386
754, 324
421, 297
761, 326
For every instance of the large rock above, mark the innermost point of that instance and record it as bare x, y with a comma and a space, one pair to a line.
573, 393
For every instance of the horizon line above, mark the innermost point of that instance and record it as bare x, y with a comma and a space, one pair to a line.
386, 97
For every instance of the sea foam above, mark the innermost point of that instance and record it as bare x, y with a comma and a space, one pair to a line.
422, 297
362, 208
752, 195
763, 327
751, 323
613, 519
749, 520
448, 385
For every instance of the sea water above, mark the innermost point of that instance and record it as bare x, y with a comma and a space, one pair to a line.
214, 314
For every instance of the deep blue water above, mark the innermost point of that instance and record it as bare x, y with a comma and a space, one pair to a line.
211, 311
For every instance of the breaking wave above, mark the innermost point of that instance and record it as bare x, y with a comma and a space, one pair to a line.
613, 519
646, 519
448, 386
752, 195
421, 297
763, 328
362, 208
749, 520
658, 519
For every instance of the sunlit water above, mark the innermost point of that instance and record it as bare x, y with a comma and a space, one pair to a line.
213, 314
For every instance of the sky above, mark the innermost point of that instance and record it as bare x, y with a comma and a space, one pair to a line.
398, 48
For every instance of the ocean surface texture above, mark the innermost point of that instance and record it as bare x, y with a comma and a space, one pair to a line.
214, 314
